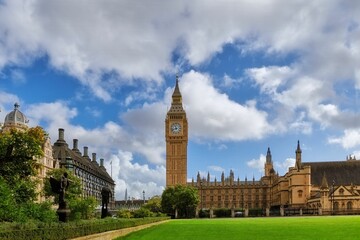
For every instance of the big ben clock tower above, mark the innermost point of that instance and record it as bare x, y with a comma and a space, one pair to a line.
176, 134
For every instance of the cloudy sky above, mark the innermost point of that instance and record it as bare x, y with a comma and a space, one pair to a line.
253, 75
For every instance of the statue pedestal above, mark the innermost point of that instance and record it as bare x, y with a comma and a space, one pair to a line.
104, 212
63, 214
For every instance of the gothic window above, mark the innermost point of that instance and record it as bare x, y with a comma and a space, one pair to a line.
219, 198
336, 205
349, 205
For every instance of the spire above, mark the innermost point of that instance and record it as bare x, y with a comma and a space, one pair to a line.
176, 104
298, 157
268, 156
298, 149
176, 97
324, 182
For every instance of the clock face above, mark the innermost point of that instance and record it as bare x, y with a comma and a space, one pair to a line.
175, 127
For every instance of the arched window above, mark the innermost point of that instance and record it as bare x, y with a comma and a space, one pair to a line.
349, 205
336, 205
341, 191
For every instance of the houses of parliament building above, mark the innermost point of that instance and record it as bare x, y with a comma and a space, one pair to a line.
331, 187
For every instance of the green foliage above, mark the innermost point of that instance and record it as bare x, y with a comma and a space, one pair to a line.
39, 211
18, 152
69, 230
11, 211
18, 166
124, 213
143, 212
184, 199
82, 208
204, 213
74, 190
222, 212
7, 202
154, 204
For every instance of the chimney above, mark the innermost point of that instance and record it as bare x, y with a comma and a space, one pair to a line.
86, 152
61, 141
101, 162
94, 157
75, 144
61, 134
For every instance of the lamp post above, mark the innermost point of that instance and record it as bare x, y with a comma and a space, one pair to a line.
144, 196
332, 197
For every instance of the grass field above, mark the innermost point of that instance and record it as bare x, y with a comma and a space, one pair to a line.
330, 227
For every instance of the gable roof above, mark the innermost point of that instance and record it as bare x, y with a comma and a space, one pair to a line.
341, 172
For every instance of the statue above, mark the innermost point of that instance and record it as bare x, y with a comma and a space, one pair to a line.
60, 188
105, 197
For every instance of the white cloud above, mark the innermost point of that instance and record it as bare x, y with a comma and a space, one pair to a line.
135, 177
213, 115
258, 163
115, 144
270, 78
216, 168
283, 167
349, 139
88, 40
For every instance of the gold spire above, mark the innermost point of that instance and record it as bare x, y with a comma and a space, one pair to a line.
176, 95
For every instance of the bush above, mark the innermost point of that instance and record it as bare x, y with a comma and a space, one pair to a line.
222, 212
204, 214
55, 231
124, 213
142, 213
82, 208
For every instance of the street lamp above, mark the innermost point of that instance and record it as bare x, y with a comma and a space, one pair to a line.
332, 197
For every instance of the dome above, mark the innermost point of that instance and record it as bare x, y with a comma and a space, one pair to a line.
16, 118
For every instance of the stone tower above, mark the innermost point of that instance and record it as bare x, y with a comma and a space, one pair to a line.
268, 163
176, 135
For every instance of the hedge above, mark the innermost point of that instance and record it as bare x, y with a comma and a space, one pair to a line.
58, 231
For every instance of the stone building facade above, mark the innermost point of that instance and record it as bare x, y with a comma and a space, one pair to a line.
92, 173
306, 188
16, 119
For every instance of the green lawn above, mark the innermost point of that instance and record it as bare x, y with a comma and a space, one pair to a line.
330, 227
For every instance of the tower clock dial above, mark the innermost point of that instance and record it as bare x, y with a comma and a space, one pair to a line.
175, 127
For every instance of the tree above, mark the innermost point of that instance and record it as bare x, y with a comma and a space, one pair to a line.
80, 208
74, 190
18, 165
154, 204
19, 151
182, 199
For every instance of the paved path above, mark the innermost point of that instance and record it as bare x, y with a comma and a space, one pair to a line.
117, 233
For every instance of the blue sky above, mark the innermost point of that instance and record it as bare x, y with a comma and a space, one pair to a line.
253, 74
